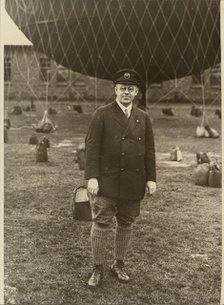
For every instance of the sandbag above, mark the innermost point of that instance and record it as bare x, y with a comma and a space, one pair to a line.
198, 112
201, 132
5, 135
202, 157
17, 110
7, 123
218, 112
207, 134
46, 141
52, 111
167, 111
215, 176
212, 132
33, 140
32, 105
193, 110
45, 128
81, 159
201, 174
27, 108
77, 108
45, 125
175, 154
75, 156
41, 152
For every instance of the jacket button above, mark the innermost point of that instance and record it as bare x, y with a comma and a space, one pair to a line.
123, 154
137, 121
122, 169
139, 154
139, 139
123, 138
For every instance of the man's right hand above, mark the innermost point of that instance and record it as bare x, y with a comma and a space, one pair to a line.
93, 186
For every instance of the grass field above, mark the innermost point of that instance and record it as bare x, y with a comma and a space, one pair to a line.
175, 254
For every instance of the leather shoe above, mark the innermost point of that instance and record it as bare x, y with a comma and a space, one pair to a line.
118, 270
96, 276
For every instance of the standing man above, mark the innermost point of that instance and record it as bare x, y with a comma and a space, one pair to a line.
120, 167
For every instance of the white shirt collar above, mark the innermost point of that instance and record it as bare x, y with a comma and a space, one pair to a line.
129, 108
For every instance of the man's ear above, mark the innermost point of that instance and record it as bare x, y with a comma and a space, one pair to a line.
136, 91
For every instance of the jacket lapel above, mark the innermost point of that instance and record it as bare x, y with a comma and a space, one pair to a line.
134, 122
119, 116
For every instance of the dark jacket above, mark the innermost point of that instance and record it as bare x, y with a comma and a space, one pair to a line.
120, 152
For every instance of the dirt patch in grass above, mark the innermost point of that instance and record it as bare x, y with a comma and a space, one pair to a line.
175, 255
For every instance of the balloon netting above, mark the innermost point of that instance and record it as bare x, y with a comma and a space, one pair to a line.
162, 40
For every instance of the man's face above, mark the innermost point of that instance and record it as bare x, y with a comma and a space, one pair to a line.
126, 93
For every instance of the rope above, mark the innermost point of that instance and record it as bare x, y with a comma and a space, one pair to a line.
203, 101
185, 37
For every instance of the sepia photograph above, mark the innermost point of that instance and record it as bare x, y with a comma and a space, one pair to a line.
112, 152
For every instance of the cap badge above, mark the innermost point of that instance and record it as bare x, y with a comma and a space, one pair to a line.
127, 75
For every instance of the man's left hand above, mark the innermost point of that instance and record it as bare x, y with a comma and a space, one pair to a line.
151, 187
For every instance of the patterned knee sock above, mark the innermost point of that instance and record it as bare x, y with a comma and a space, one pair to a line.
98, 237
122, 240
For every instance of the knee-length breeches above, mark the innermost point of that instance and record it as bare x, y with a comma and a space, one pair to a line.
104, 209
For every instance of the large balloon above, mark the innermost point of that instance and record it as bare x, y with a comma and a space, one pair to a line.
161, 39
